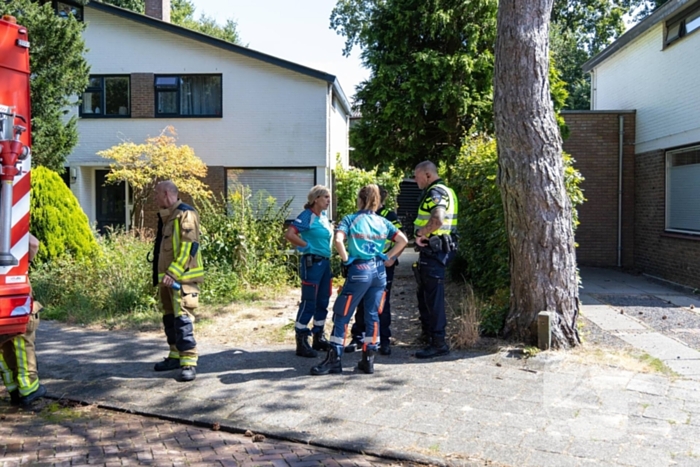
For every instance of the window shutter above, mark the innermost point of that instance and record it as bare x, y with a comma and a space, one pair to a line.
282, 184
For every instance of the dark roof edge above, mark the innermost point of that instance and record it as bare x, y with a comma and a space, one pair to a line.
213, 41
342, 97
661, 14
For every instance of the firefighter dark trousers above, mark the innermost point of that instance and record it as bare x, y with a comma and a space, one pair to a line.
18, 360
178, 322
359, 326
366, 282
316, 287
431, 295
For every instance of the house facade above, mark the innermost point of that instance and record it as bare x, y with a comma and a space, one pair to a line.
252, 118
651, 70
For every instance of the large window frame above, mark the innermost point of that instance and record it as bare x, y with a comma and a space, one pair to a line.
174, 87
66, 8
281, 180
681, 25
99, 86
682, 203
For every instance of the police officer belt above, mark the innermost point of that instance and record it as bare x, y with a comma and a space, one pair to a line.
315, 258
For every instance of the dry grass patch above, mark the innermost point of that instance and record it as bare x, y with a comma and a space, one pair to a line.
624, 359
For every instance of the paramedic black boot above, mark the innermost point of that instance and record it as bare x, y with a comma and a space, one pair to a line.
331, 364
366, 365
438, 348
320, 342
303, 347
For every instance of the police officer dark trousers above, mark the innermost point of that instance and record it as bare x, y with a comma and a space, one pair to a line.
311, 233
435, 229
365, 278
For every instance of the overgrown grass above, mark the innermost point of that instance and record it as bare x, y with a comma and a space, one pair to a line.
244, 260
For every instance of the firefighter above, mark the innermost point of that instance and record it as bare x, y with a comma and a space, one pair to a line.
385, 318
311, 233
18, 357
178, 271
435, 230
365, 277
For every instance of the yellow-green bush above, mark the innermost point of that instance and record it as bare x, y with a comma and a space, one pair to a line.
57, 219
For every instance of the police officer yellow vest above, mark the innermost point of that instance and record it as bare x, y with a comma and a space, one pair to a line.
427, 204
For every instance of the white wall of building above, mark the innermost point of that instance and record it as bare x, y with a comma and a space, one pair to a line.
271, 115
660, 84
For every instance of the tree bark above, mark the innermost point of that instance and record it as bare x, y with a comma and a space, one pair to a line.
531, 177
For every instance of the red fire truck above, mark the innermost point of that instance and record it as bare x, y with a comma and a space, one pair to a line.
15, 164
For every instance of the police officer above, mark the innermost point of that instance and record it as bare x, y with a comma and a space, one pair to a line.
435, 228
178, 271
385, 318
311, 233
18, 355
366, 234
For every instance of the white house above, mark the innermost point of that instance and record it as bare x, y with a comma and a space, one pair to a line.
653, 69
273, 124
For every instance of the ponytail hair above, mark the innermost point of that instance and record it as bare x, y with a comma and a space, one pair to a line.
315, 193
369, 197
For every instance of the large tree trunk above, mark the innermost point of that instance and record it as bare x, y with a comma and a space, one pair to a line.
531, 177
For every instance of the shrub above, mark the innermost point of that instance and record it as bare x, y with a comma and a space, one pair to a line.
483, 256
57, 219
243, 243
349, 181
115, 285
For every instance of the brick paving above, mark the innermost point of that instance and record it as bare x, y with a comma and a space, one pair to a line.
68, 434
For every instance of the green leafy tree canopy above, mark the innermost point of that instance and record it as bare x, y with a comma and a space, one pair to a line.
431, 64
59, 73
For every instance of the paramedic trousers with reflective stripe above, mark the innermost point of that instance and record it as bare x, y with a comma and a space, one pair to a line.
18, 360
359, 325
178, 321
431, 293
316, 286
366, 282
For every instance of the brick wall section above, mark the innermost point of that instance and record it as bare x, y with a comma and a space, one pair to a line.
594, 144
142, 95
674, 258
215, 179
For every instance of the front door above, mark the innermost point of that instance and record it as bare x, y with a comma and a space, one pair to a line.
110, 203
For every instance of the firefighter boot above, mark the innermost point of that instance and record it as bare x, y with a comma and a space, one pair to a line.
438, 348
320, 342
30, 398
303, 347
167, 364
366, 365
331, 364
188, 373
14, 397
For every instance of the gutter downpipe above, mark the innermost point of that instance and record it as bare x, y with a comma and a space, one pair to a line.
621, 133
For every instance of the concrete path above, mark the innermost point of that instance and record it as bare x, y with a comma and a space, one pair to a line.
465, 409
600, 285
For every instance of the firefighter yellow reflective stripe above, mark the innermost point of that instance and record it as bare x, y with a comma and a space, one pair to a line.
183, 251
186, 360
177, 303
193, 273
7, 378
26, 386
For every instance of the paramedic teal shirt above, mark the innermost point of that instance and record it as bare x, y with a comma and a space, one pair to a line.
316, 231
366, 233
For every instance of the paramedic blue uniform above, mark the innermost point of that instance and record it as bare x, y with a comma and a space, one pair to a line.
366, 234
315, 270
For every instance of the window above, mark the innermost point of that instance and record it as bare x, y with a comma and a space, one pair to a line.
682, 25
106, 96
683, 190
281, 183
67, 8
188, 96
